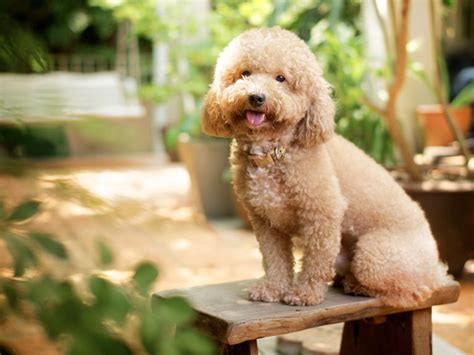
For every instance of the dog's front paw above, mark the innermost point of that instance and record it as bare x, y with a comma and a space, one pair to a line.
267, 290
303, 294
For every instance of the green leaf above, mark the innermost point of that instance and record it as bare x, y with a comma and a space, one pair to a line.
105, 254
448, 3
465, 96
172, 311
11, 294
378, 140
111, 300
444, 73
82, 344
2, 210
145, 274
149, 332
191, 341
59, 306
22, 254
92, 344
49, 244
24, 211
420, 73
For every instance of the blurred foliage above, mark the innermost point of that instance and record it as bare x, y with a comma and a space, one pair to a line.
30, 30
194, 42
36, 140
332, 30
190, 124
20, 49
465, 96
340, 53
228, 18
95, 315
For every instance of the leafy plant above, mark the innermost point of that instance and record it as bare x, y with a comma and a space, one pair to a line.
464, 97
340, 52
189, 124
440, 87
31, 32
96, 316
20, 50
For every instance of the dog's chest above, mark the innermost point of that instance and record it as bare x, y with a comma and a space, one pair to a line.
268, 195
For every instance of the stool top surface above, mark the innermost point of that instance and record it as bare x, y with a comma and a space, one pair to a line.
226, 313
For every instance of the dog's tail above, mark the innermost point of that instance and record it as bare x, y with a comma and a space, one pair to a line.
415, 289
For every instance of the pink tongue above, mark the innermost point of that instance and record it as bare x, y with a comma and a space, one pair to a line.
255, 118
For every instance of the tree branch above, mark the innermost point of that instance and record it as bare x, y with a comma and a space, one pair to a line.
392, 12
383, 28
394, 90
373, 106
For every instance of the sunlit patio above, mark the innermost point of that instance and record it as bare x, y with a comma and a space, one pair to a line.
142, 208
111, 192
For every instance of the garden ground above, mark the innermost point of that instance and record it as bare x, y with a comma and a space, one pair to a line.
142, 208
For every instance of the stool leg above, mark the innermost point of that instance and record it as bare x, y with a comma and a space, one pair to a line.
246, 348
395, 334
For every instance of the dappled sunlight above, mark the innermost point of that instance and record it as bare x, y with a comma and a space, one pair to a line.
181, 244
65, 209
455, 322
461, 319
103, 155
136, 184
140, 194
143, 213
178, 214
469, 267
118, 276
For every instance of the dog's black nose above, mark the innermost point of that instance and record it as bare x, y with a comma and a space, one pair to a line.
256, 100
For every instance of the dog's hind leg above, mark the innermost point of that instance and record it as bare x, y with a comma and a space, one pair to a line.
401, 267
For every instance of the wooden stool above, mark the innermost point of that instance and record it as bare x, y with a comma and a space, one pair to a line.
226, 314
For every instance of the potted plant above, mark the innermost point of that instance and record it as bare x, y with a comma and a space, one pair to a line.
438, 129
432, 118
206, 160
447, 196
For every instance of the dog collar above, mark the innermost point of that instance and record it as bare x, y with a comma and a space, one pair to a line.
268, 159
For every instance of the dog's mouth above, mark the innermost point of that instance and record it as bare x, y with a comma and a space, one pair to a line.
255, 118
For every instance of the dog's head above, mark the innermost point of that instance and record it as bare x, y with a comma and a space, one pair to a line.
267, 84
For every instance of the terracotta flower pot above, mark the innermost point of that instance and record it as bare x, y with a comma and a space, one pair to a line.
437, 129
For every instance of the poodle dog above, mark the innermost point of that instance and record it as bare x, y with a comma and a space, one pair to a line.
298, 179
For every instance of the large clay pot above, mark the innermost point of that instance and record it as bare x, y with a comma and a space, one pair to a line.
206, 160
449, 208
436, 127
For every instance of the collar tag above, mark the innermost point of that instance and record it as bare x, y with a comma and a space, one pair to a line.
280, 152
269, 159
261, 161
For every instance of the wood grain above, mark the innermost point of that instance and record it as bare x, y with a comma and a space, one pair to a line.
226, 313
401, 333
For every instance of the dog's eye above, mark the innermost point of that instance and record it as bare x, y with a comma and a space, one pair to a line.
245, 73
280, 78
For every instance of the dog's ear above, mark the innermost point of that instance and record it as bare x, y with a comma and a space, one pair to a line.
213, 122
317, 126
